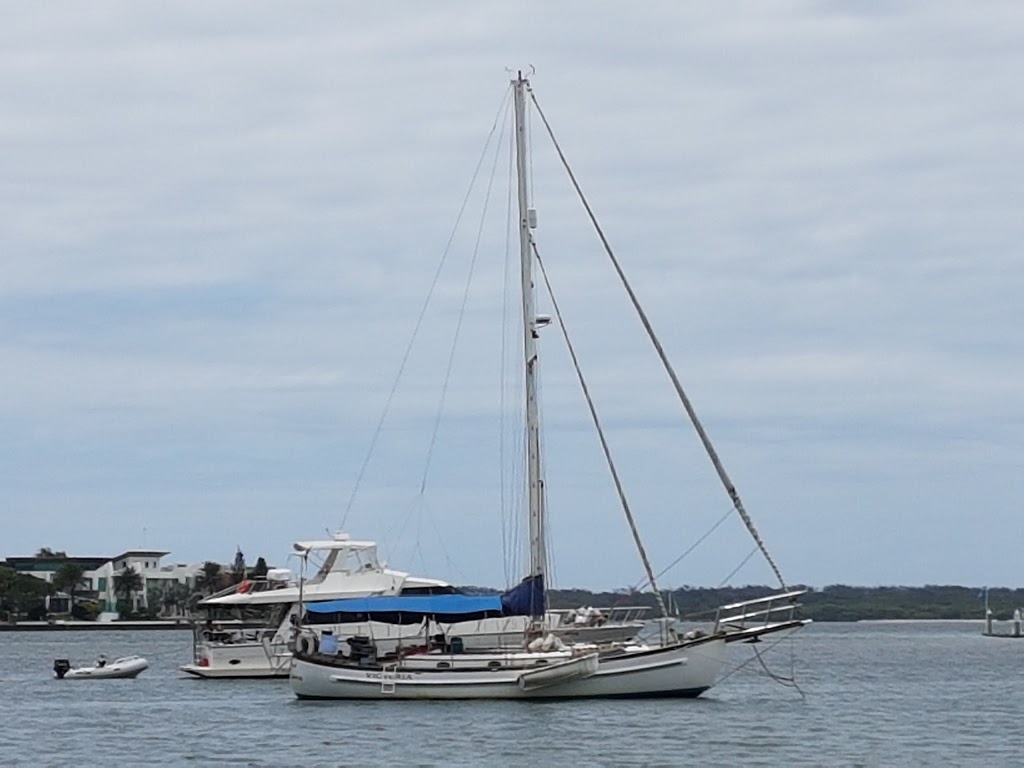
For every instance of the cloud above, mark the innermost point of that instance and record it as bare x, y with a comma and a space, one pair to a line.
218, 226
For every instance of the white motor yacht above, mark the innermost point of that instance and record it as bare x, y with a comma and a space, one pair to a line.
235, 648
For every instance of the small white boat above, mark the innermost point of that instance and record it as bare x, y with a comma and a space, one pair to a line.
123, 668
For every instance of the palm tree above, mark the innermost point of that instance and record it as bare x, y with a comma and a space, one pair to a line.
126, 584
68, 578
208, 579
259, 571
169, 600
174, 598
47, 552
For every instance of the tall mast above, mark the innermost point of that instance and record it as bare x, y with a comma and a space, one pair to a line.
527, 218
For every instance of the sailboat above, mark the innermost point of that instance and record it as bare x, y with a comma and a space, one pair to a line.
441, 667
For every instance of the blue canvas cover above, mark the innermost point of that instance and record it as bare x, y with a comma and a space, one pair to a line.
526, 598
405, 610
413, 609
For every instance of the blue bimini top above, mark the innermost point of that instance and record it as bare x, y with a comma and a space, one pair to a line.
525, 599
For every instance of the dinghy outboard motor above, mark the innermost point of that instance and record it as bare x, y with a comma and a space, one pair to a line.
61, 667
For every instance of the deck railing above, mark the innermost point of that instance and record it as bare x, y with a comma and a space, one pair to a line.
761, 613
624, 614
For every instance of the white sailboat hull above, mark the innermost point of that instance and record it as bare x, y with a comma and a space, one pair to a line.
257, 660
683, 671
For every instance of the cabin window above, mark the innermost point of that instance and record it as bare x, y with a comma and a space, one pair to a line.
493, 664
443, 665
541, 662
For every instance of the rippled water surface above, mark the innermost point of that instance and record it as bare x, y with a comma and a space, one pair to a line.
874, 695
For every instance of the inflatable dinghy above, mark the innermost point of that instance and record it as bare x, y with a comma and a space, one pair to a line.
126, 667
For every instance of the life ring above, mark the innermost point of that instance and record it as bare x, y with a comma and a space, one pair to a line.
244, 587
306, 645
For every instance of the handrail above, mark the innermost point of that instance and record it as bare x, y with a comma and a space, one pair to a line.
769, 599
737, 615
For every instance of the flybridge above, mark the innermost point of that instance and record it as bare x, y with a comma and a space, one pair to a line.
342, 542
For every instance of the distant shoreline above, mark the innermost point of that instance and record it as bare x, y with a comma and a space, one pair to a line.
93, 626
122, 626
834, 603
915, 621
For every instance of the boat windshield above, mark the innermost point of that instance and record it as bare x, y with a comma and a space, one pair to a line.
350, 560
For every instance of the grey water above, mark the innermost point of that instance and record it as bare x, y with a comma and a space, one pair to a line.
918, 694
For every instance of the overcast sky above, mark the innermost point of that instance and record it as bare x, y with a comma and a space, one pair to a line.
218, 222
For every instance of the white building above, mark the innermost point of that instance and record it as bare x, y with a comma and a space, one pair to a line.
158, 581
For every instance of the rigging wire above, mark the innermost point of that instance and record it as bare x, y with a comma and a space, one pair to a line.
601, 436
505, 510
444, 550
419, 542
420, 509
643, 584
788, 682
512, 455
549, 533
401, 523
423, 311
684, 399
529, 143
462, 316
736, 570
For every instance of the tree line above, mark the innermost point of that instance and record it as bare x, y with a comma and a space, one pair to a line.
836, 602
